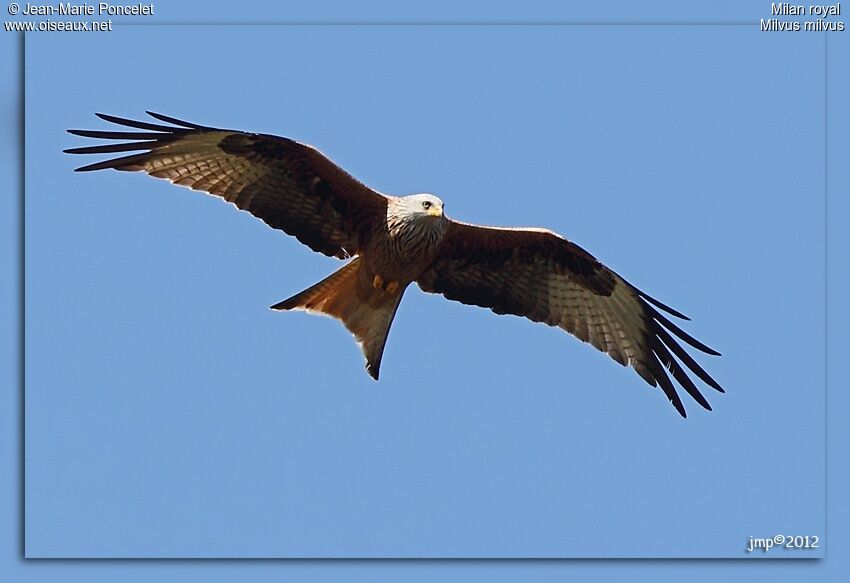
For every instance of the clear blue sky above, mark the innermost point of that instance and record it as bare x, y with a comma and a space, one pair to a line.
170, 413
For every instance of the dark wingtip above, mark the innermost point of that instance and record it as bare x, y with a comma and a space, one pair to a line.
175, 121
659, 304
88, 168
142, 125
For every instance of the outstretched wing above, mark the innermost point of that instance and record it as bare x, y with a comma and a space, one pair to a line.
291, 186
542, 276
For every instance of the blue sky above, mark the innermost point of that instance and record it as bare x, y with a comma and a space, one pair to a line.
169, 413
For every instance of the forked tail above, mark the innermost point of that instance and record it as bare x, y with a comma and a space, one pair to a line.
349, 296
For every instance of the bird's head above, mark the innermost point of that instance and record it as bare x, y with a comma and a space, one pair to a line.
423, 205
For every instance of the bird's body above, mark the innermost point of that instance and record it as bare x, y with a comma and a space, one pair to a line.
394, 241
365, 294
411, 241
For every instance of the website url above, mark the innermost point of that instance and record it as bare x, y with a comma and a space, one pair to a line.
58, 26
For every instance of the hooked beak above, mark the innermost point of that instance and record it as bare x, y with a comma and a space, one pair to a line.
435, 211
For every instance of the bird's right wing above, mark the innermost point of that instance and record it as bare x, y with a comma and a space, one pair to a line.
291, 186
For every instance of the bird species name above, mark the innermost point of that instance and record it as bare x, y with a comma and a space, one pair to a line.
822, 13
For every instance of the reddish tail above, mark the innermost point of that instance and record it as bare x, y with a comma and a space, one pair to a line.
348, 295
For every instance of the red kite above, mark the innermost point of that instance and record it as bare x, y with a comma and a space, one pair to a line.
395, 241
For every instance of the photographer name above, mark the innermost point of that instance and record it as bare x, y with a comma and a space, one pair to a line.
99, 9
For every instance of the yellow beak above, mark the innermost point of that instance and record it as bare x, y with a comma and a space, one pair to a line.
435, 211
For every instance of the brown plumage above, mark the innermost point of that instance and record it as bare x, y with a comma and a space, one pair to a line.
398, 240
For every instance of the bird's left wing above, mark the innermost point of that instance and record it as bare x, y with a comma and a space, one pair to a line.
540, 275
291, 186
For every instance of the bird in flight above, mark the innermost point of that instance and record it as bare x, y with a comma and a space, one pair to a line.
393, 241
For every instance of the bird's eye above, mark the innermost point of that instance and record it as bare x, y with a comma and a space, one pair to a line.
426, 204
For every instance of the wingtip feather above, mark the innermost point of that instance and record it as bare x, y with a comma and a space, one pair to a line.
175, 121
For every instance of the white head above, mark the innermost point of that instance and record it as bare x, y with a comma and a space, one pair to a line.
422, 205
416, 219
